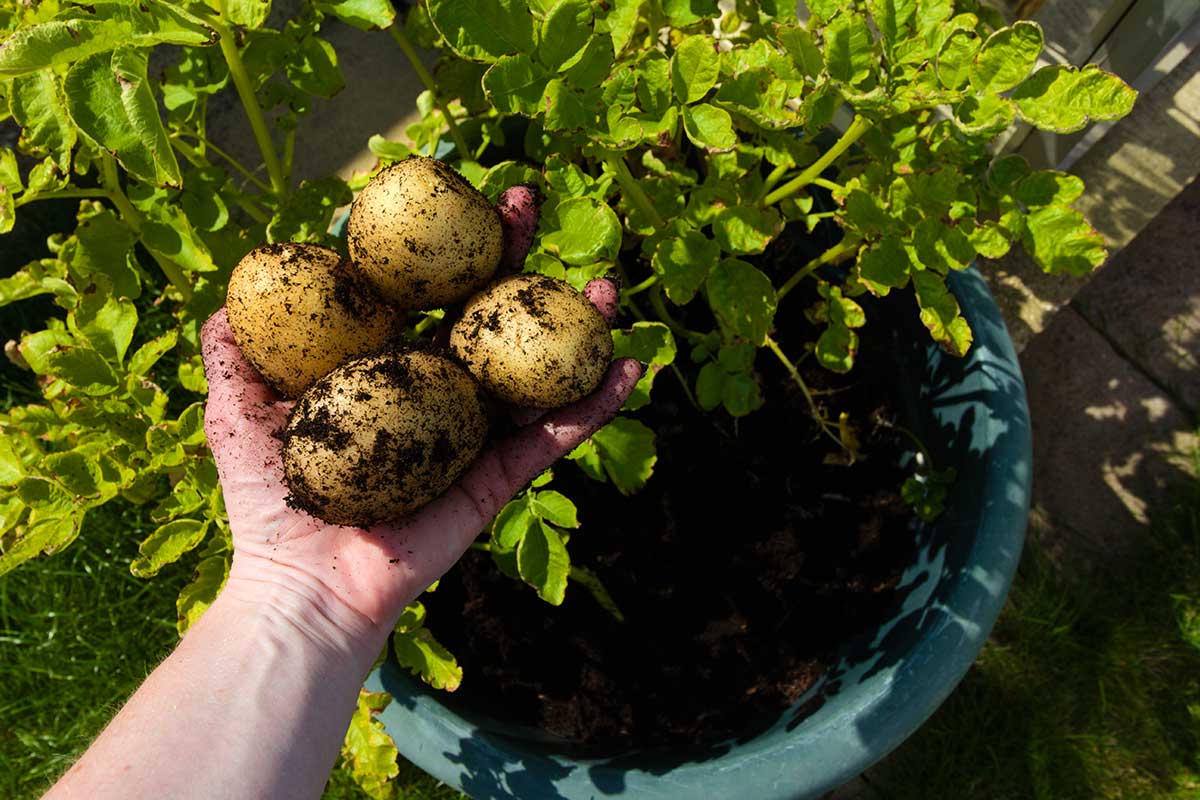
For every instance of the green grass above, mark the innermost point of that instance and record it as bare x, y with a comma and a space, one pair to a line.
78, 633
1088, 688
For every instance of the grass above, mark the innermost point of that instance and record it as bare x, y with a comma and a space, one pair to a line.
1087, 689
78, 633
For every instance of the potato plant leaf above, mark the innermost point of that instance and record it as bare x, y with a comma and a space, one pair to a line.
709, 127
743, 299
38, 106
838, 344
884, 266
420, 653
195, 598
543, 562
102, 26
624, 449
694, 68
591, 581
653, 344
43, 534
1048, 188
368, 752
516, 84
941, 314
892, 17
111, 100
363, 14
484, 30
555, 508
106, 322
584, 230
1064, 99
848, 54
1061, 241
1006, 57
683, 263
564, 33
167, 544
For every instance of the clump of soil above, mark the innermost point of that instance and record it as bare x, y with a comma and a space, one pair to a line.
751, 554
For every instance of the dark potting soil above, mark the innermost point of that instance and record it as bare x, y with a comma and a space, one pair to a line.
753, 551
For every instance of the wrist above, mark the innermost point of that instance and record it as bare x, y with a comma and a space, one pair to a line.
300, 609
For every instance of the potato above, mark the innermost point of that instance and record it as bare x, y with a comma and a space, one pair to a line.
381, 436
423, 235
299, 310
534, 341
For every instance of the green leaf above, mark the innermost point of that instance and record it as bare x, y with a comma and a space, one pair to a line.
112, 102
758, 95
884, 266
426, 658
743, 299
46, 534
591, 581
941, 247
926, 492
306, 214
1006, 171
79, 472
515, 84
167, 545
593, 65
564, 108
245, 13
564, 33
940, 313
709, 127
865, 213
838, 344
1007, 57
586, 230
512, 524
989, 240
313, 68
368, 753
1061, 241
84, 368
106, 322
148, 354
101, 250
683, 263
1063, 99
621, 22
651, 343
625, 450
848, 54
587, 458
805, 54
826, 9
683, 13
987, 115
11, 468
363, 14
1048, 188
555, 508
892, 17
37, 104
80, 32
694, 68
386, 150
484, 30
746, 229
956, 58
543, 562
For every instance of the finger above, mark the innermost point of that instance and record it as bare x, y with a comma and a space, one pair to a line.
518, 209
604, 296
242, 413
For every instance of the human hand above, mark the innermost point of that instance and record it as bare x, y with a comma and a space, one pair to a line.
372, 572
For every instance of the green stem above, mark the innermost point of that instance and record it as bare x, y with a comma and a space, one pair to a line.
233, 162
812, 404
660, 308
632, 190
289, 155
397, 32
241, 81
641, 287
133, 218
773, 178
830, 256
252, 211
830, 185
857, 128
60, 194
427, 322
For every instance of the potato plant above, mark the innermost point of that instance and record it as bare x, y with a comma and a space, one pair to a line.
672, 143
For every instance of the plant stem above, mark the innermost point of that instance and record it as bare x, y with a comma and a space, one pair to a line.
233, 162
641, 287
60, 194
660, 308
252, 211
830, 185
427, 322
397, 32
133, 218
830, 256
812, 404
772, 179
631, 189
857, 128
241, 81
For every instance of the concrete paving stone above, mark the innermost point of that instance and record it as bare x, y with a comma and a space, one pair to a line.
1146, 301
1107, 441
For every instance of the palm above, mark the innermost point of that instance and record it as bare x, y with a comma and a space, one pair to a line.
377, 570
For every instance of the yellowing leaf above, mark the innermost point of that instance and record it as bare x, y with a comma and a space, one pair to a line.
1063, 99
1007, 57
367, 751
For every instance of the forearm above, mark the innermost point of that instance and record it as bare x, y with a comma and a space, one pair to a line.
254, 702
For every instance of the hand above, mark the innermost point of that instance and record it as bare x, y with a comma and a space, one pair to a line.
374, 572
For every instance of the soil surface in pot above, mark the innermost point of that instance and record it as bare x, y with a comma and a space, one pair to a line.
753, 551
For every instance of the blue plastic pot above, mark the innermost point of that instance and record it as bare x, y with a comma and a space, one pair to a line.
972, 414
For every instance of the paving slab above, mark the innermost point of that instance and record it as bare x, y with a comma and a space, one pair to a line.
1146, 302
1107, 442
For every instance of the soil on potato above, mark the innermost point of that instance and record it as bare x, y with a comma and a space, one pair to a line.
749, 556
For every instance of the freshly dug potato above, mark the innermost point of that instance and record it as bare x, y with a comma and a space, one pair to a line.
534, 341
423, 235
299, 310
381, 436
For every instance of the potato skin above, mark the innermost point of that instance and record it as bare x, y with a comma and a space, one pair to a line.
299, 310
382, 436
534, 341
423, 235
